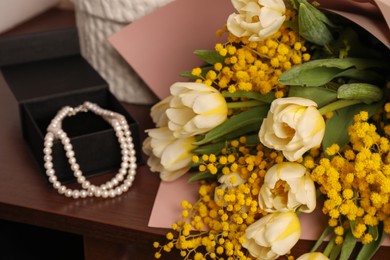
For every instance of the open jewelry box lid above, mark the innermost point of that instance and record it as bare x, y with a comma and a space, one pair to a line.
46, 72
42, 64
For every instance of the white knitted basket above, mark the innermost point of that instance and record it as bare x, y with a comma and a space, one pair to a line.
96, 21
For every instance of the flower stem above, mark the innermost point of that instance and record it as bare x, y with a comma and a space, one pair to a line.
337, 105
241, 104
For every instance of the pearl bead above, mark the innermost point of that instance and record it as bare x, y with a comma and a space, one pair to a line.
75, 194
78, 174
47, 150
52, 179
112, 188
48, 165
105, 194
72, 160
68, 193
83, 194
50, 172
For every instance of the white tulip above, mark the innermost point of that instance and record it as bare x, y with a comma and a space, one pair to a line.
168, 155
227, 180
313, 256
195, 108
273, 235
227, 183
257, 19
158, 112
293, 126
286, 187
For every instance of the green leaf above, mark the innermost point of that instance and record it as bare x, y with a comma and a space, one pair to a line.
361, 75
324, 234
336, 129
210, 148
201, 176
211, 57
255, 127
243, 119
368, 250
316, 73
348, 245
321, 96
268, 98
329, 247
365, 92
335, 252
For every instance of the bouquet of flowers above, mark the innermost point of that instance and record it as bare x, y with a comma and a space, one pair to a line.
290, 113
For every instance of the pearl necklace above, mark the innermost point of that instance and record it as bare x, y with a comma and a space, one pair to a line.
114, 187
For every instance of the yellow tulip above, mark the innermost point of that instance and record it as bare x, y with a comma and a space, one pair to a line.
158, 112
168, 155
286, 187
293, 126
257, 19
273, 235
195, 108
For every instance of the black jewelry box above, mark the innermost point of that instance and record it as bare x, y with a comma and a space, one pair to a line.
45, 81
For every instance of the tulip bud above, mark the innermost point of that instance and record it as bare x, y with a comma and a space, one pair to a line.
293, 126
296, 189
257, 19
195, 109
312, 24
273, 235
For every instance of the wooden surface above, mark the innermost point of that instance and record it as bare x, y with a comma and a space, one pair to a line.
112, 228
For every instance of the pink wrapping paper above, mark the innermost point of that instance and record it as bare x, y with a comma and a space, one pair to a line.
160, 46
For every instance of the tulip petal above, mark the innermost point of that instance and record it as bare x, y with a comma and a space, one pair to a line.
173, 175
269, 16
289, 171
256, 20
210, 103
284, 232
180, 116
251, 7
312, 125
146, 146
157, 112
154, 164
178, 154
276, 5
208, 122
285, 245
188, 99
293, 100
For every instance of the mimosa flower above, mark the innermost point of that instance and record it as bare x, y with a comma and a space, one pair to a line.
286, 187
293, 126
273, 235
257, 19
195, 108
228, 181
